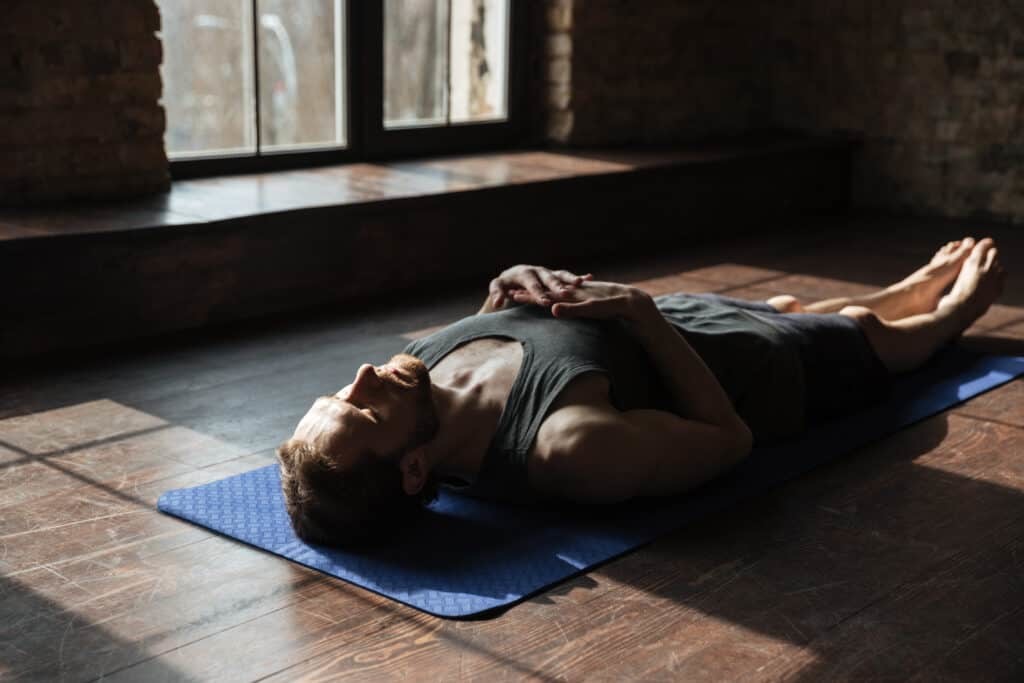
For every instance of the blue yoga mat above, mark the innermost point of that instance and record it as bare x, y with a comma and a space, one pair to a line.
469, 556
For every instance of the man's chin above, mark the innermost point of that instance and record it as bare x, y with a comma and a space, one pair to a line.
408, 370
412, 373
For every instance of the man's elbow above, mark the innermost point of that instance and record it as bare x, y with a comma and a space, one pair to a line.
742, 441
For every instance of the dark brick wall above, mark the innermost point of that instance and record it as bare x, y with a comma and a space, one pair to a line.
79, 91
623, 72
935, 89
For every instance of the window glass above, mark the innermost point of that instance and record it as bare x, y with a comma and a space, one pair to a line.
415, 62
248, 77
479, 52
207, 76
301, 74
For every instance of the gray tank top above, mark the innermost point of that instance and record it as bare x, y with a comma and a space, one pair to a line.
759, 372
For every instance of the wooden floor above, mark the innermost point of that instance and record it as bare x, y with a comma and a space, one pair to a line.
905, 560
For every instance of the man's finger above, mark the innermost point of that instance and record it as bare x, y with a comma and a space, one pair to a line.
579, 310
554, 284
590, 308
536, 287
562, 310
567, 278
990, 257
499, 291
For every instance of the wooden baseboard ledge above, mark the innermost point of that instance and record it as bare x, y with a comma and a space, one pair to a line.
217, 250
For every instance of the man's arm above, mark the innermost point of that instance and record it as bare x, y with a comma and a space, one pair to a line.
602, 455
696, 392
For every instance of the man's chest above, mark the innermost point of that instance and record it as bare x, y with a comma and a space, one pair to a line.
503, 360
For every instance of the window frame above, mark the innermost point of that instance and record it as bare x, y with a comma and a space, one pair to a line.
452, 138
367, 138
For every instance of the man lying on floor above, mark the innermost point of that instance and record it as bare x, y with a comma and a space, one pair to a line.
566, 388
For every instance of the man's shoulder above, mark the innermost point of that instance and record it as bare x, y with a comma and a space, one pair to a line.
577, 412
586, 397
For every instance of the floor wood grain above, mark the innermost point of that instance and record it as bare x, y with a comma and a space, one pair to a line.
903, 561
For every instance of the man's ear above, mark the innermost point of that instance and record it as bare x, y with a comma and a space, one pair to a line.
415, 471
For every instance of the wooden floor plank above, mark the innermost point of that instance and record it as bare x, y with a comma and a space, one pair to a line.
994, 647
73, 426
102, 518
672, 284
809, 288
1003, 404
225, 585
157, 582
733, 274
926, 623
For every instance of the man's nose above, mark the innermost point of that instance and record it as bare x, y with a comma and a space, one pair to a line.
366, 379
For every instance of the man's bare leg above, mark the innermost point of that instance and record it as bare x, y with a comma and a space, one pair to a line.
906, 343
919, 292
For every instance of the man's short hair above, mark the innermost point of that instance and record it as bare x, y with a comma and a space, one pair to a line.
330, 505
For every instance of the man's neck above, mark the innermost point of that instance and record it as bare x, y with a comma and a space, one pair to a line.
468, 416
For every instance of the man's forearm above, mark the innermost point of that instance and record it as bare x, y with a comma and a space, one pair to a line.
696, 392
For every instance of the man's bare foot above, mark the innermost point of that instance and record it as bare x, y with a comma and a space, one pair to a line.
786, 303
917, 293
979, 284
924, 287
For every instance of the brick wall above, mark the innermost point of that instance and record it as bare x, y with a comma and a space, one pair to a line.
936, 89
79, 91
621, 72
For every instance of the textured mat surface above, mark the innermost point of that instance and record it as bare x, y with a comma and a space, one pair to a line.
469, 557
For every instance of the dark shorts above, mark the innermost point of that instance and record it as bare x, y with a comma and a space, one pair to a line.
842, 372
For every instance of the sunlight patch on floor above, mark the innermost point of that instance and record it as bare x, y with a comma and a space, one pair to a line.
74, 425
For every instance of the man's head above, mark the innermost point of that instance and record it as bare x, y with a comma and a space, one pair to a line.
356, 465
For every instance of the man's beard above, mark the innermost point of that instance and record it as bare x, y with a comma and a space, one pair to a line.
411, 371
414, 376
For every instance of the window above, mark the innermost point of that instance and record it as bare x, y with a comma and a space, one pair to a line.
444, 62
260, 84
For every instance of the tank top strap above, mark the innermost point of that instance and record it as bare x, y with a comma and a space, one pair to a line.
432, 348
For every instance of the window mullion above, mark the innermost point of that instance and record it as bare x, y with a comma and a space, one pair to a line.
256, 73
339, 64
448, 68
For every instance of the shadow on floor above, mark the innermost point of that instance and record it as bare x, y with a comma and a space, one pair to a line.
42, 640
878, 566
